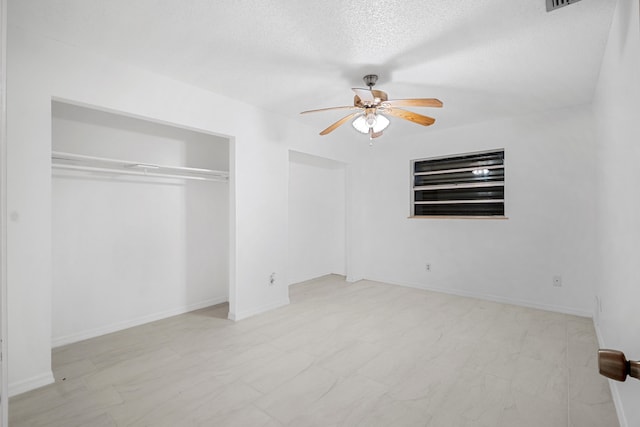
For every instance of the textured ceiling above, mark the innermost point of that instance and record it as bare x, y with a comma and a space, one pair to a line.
485, 59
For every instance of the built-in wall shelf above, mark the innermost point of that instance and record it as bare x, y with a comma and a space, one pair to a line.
81, 162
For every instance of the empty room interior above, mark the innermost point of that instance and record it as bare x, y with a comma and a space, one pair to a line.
446, 236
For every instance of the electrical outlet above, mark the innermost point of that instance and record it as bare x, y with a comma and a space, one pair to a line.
557, 281
427, 267
272, 279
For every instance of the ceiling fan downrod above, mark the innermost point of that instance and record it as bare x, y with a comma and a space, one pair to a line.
370, 80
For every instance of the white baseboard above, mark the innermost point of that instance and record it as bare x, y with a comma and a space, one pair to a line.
353, 279
114, 327
29, 384
613, 386
494, 298
258, 310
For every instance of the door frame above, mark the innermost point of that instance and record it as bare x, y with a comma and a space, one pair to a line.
4, 394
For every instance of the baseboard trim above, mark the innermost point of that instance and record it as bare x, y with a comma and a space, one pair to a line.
487, 297
613, 386
103, 330
258, 310
29, 384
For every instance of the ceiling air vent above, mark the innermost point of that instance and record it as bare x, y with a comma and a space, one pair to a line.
556, 4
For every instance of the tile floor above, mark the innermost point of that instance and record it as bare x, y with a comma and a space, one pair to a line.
363, 354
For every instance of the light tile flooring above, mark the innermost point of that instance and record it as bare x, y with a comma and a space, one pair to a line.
363, 354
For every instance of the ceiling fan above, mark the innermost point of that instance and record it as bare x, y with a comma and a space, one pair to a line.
372, 106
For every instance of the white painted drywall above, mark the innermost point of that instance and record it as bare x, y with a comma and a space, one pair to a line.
129, 249
550, 180
618, 286
40, 70
317, 209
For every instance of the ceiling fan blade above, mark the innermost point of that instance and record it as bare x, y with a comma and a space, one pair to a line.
417, 102
350, 107
366, 95
380, 95
411, 116
339, 123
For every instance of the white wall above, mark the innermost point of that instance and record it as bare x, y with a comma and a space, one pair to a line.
617, 111
317, 219
40, 70
126, 249
550, 179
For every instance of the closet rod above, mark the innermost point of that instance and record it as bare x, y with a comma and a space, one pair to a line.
139, 173
59, 155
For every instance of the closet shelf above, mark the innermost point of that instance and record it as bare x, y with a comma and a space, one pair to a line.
81, 162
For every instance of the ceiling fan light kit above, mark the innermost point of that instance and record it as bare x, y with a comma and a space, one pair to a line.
374, 105
365, 123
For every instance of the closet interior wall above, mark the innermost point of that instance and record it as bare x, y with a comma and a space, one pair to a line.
317, 217
131, 249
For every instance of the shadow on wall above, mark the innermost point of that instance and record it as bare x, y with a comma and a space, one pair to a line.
207, 224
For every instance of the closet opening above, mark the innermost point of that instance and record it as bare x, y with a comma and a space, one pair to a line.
140, 220
317, 217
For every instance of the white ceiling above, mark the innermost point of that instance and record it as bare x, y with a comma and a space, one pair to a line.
485, 59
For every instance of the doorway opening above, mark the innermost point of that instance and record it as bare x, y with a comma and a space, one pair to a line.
140, 220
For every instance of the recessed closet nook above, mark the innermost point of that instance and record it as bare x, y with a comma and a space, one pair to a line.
140, 221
